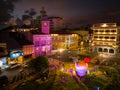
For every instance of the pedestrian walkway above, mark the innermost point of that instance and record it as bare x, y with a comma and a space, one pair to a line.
81, 84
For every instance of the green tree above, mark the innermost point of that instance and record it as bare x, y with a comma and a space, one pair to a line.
39, 64
31, 12
6, 9
114, 83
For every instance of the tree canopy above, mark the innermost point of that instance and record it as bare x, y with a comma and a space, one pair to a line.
29, 14
39, 64
6, 9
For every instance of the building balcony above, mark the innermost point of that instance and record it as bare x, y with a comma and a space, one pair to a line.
105, 33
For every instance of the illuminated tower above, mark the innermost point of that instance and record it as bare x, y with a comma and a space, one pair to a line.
106, 38
43, 42
45, 26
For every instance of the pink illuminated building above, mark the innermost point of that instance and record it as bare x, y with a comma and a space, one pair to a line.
43, 41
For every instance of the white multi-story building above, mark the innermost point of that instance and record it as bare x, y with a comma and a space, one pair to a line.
106, 38
66, 41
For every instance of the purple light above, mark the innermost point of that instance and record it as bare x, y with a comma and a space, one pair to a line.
81, 72
80, 69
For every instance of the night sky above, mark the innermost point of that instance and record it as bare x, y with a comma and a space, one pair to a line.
76, 11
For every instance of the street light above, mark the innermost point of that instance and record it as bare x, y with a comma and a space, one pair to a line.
60, 51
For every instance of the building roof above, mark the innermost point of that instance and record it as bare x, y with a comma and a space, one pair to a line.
14, 40
54, 17
2, 26
6, 29
20, 38
15, 27
61, 32
11, 43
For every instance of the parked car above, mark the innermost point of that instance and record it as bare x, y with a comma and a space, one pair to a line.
3, 80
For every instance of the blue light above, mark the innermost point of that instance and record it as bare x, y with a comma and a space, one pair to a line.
16, 54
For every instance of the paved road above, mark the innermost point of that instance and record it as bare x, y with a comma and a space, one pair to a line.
11, 73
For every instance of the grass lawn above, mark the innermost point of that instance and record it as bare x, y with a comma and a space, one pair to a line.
54, 82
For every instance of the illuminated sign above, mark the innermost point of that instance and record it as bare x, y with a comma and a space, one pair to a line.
16, 54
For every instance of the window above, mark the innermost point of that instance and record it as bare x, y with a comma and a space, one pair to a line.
106, 37
43, 42
43, 53
101, 30
36, 43
105, 50
100, 37
113, 30
95, 36
2, 49
100, 49
96, 31
111, 50
45, 31
112, 37
107, 31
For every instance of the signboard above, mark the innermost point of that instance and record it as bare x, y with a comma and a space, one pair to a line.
15, 54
